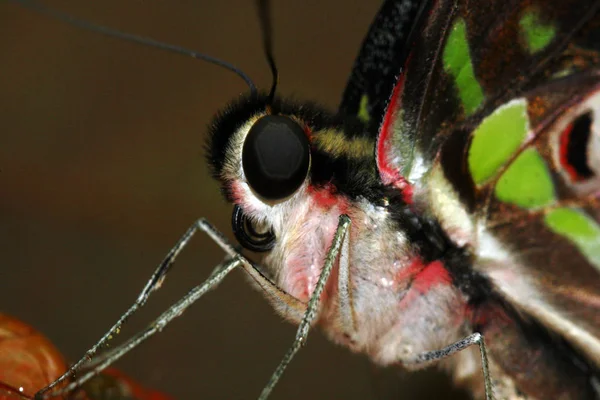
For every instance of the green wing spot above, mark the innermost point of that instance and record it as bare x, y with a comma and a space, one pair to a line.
363, 111
496, 139
537, 34
526, 182
579, 228
458, 63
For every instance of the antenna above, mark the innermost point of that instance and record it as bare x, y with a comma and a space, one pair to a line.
40, 8
264, 15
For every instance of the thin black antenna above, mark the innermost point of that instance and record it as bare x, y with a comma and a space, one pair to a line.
42, 9
264, 14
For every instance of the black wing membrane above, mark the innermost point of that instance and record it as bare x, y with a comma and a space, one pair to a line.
380, 60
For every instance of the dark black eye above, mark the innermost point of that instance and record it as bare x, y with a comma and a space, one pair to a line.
275, 157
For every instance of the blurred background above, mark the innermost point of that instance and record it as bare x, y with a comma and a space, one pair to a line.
102, 170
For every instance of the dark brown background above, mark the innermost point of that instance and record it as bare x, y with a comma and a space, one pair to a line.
102, 170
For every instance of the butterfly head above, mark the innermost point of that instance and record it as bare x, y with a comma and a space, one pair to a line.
276, 158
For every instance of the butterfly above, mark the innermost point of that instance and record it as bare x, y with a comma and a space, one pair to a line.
477, 216
459, 203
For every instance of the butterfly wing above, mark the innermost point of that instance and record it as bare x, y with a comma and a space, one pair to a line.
379, 61
492, 119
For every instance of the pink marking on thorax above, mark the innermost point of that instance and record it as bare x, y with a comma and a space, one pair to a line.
409, 272
424, 278
389, 174
432, 275
306, 256
325, 198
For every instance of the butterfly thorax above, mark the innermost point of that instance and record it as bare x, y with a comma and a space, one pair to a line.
391, 283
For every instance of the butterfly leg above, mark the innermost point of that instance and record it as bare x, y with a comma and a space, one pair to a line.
475, 338
313, 304
345, 304
95, 366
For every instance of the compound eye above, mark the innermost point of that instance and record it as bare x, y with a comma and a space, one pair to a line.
275, 157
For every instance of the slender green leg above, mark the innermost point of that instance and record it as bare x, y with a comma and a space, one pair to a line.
475, 338
344, 295
154, 283
313, 305
105, 359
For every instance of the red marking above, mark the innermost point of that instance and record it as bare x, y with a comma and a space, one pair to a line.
424, 278
388, 174
325, 197
406, 189
237, 193
565, 138
433, 274
240, 197
307, 132
409, 272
